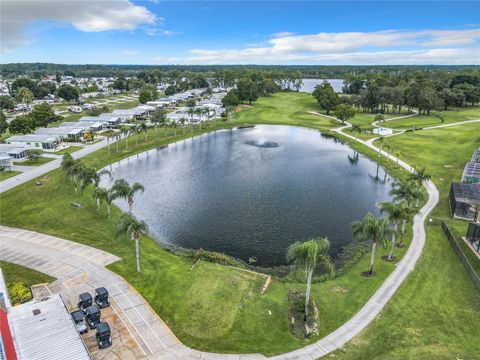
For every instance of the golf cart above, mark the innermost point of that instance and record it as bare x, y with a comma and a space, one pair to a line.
93, 316
103, 335
85, 300
101, 297
79, 319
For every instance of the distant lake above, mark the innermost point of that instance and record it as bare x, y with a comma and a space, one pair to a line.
309, 84
253, 192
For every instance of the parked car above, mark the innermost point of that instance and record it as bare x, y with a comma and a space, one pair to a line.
80, 322
103, 337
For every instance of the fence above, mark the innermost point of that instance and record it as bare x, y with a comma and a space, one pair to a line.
463, 258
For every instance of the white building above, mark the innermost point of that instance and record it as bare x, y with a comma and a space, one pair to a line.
35, 141
382, 131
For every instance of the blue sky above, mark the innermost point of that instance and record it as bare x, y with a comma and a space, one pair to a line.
231, 32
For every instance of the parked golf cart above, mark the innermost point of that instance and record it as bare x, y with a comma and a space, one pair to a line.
85, 300
79, 319
93, 316
101, 297
103, 335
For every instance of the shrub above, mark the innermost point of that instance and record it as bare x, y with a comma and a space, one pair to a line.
19, 293
215, 257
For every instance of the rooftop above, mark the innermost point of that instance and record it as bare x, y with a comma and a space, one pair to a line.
464, 192
45, 330
42, 138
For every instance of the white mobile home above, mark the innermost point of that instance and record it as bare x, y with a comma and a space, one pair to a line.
35, 141
71, 133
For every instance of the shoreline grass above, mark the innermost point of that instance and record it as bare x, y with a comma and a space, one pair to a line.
190, 302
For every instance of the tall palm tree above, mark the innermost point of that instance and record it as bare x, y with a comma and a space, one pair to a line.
407, 191
143, 127
67, 163
123, 190
191, 112
99, 194
133, 227
396, 212
380, 145
355, 128
182, 121
76, 171
306, 256
419, 176
371, 228
107, 195
125, 132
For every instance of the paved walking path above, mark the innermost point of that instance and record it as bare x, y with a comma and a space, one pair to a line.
64, 260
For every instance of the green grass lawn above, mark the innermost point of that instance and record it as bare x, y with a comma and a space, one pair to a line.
5, 174
16, 273
216, 308
287, 108
435, 313
189, 302
68, 150
40, 161
450, 116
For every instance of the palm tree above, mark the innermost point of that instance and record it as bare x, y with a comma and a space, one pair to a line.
380, 145
76, 171
396, 212
191, 112
107, 195
397, 155
126, 132
143, 127
91, 134
99, 194
355, 128
67, 163
407, 191
371, 228
123, 190
133, 227
419, 176
306, 256
182, 121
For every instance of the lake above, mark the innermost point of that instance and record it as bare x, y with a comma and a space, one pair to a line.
309, 84
252, 192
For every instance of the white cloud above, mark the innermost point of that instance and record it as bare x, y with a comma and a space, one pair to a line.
85, 15
161, 32
130, 52
381, 47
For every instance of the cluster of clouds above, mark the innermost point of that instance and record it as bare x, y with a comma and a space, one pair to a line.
459, 46
84, 15
379, 47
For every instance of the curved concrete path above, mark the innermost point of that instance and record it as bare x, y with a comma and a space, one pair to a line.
39, 251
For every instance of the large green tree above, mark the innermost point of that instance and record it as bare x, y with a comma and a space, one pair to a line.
22, 124
43, 114
24, 95
148, 92
247, 90
344, 112
68, 92
326, 97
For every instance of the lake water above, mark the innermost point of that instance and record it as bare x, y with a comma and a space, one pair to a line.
252, 192
309, 84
